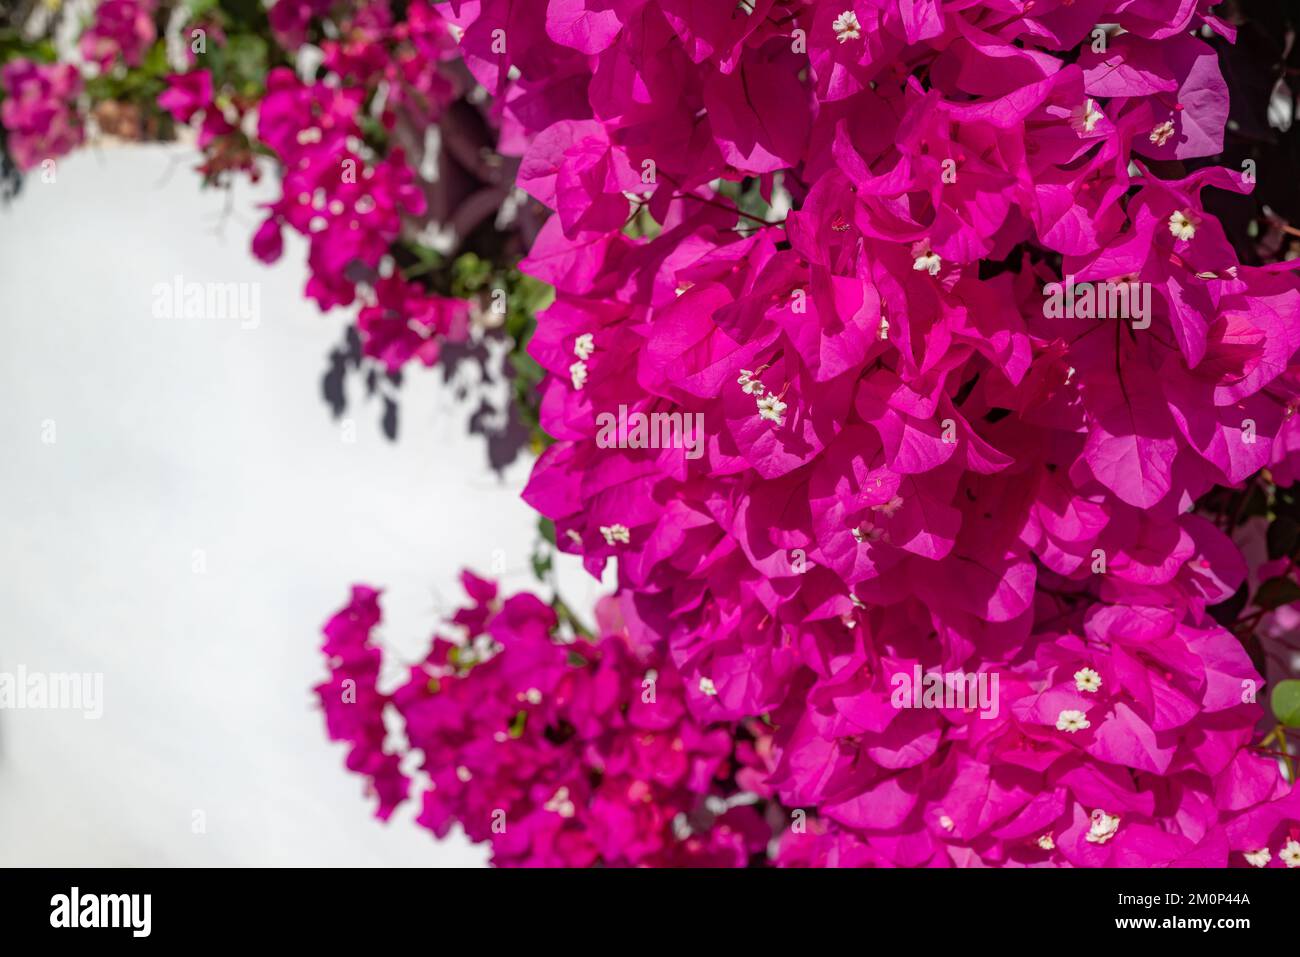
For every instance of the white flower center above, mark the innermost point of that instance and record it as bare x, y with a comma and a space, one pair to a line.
1085, 679
560, 803
889, 508
1072, 721
867, 531
1084, 119
1259, 858
847, 27
749, 384
928, 262
578, 374
1103, 827
1183, 223
1160, 134
772, 409
616, 534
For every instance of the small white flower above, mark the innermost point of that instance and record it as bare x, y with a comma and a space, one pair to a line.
1258, 858
749, 384
1103, 827
616, 534
707, 687
584, 345
1085, 679
946, 822
574, 536
867, 532
927, 261
560, 803
1160, 134
772, 409
533, 696
463, 774
847, 27
578, 373
890, 508
1183, 223
1084, 119
1046, 843
1072, 721
1291, 853
483, 647
884, 328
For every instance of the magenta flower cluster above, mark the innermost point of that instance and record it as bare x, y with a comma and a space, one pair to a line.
349, 203
964, 350
38, 111
348, 219
558, 754
910, 460
119, 32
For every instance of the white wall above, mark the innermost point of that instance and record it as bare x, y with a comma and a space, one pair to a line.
180, 435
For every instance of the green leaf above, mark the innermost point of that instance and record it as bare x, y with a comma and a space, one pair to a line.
542, 566
1277, 592
535, 294
373, 131
547, 528
526, 367
247, 55
1286, 702
155, 61
469, 274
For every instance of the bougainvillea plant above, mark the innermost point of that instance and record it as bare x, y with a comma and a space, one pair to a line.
386, 164
927, 371
559, 750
